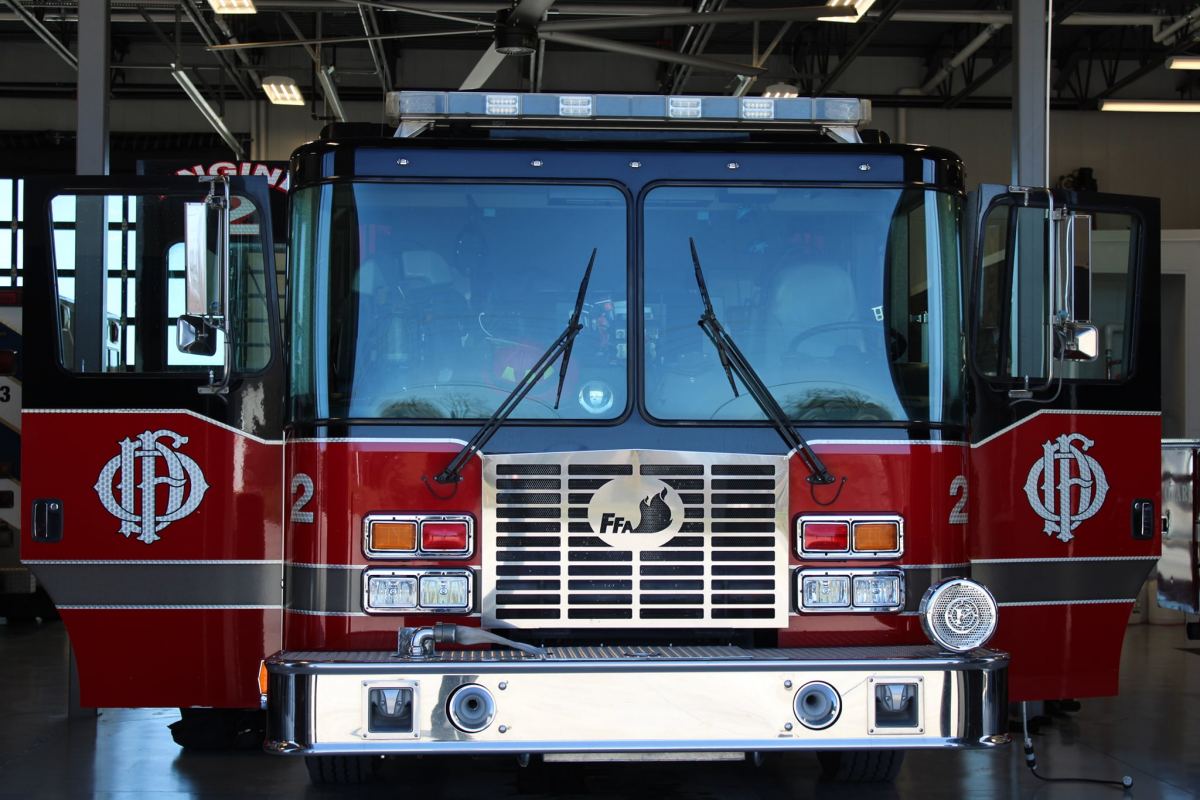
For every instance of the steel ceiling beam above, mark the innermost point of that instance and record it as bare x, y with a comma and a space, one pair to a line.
44, 33
378, 55
210, 38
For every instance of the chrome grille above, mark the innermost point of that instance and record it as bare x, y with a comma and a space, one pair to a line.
574, 540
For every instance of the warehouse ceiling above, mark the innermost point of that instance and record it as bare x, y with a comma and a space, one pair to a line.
920, 53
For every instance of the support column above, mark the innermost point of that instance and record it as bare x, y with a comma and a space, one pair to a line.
91, 240
1031, 123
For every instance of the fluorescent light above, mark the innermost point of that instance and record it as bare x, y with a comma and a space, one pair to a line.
860, 7
233, 6
781, 90
1156, 106
1183, 62
207, 111
282, 90
333, 103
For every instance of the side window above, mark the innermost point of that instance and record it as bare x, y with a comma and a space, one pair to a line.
1014, 303
1106, 299
119, 270
12, 234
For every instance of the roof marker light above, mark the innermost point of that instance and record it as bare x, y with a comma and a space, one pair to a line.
575, 105
502, 105
758, 108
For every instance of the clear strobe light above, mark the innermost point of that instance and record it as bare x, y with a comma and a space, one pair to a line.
958, 614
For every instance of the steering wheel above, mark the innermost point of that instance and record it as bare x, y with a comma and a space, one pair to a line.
829, 327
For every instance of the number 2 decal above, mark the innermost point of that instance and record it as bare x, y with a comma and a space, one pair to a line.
304, 485
958, 515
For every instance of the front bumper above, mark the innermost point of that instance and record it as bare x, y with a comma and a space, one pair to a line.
636, 699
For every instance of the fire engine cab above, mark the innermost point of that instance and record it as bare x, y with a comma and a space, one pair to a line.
594, 424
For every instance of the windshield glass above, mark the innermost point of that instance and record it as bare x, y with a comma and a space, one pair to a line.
844, 300
424, 301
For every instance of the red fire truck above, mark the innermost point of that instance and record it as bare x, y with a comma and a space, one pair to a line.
768, 437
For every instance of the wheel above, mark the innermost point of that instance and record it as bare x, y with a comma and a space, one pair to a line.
220, 729
341, 770
860, 766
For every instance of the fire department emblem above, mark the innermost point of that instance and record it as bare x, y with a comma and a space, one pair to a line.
1066, 485
630, 509
128, 485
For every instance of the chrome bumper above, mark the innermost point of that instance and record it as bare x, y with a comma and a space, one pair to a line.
642, 699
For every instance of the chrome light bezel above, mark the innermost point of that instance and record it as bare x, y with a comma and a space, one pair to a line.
849, 553
850, 574
936, 592
417, 574
419, 553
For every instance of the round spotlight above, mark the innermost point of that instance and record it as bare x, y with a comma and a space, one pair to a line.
817, 705
958, 614
471, 708
596, 397
513, 38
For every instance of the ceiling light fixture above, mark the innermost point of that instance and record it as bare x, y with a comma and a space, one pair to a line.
282, 90
233, 6
860, 8
1183, 62
1154, 106
781, 90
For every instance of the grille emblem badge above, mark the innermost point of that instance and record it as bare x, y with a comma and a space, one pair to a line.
636, 512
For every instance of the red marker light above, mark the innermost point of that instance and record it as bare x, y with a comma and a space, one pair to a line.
825, 537
443, 536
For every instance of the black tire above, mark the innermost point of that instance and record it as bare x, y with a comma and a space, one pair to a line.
220, 729
341, 770
861, 766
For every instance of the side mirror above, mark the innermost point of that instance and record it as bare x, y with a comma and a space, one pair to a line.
195, 254
1080, 341
195, 335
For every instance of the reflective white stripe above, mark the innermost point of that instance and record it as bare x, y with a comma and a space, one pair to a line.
306, 565
304, 612
165, 608
217, 561
934, 566
1066, 411
1060, 559
1069, 602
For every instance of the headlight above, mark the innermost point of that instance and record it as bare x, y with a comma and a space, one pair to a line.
958, 614
417, 590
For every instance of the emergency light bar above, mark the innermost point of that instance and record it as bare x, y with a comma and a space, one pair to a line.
415, 112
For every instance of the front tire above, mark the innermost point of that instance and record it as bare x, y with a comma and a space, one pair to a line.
341, 770
860, 766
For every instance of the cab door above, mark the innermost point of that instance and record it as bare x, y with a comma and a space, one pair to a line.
151, 493
1065, 428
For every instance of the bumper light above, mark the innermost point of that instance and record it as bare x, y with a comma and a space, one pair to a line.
445, 536
418, 536
835, 537
862, 591
958, 614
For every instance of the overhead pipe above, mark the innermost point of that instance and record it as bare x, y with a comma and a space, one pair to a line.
956, 61
44, 33
1177, 25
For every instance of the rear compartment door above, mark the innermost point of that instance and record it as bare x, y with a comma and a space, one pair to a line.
151, 511
1064, 477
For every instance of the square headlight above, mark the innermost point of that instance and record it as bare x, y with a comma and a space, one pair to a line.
445, 592
391, 592
878, 591
825, 591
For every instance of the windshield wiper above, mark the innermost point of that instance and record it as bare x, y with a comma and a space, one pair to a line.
734, 361
561, 347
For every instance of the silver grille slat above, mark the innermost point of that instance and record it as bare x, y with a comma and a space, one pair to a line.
720, 561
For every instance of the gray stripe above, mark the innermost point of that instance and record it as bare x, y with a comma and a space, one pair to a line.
919, 579
323, 589
1065, 580
132, 584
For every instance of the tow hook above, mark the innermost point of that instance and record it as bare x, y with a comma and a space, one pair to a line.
420, 643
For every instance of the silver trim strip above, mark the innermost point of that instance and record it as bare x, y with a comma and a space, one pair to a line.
1068, 602
1063, 412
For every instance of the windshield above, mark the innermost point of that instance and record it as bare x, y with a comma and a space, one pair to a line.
419, 301
844, 300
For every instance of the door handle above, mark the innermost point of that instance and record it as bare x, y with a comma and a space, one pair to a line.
47, 520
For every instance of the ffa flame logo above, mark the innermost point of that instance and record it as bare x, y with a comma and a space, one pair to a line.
644, 510
137, 475
1066, 486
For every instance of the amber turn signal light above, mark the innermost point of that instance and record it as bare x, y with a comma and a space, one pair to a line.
876, 537
395, 537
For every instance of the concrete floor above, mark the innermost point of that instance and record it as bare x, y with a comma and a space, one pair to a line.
1151, 732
